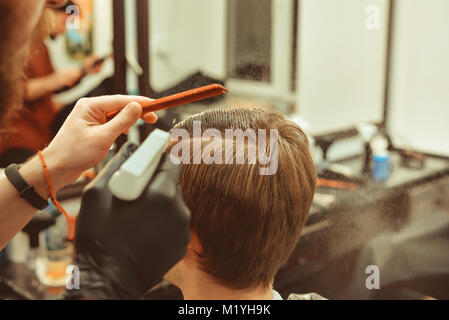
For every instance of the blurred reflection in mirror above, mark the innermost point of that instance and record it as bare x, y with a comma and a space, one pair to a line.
249, 40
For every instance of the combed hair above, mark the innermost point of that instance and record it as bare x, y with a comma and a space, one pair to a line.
248, 224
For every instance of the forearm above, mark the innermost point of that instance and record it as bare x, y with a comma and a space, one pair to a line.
40, 87
43, 86
15, 212
82, 142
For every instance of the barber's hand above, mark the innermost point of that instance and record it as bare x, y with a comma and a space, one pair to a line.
125, 248
85, 137
91, 66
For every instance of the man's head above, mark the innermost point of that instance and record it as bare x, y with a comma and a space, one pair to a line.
245, 225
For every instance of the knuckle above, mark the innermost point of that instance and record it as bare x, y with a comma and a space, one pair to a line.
82, 102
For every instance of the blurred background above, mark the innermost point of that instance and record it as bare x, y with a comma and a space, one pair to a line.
366, 79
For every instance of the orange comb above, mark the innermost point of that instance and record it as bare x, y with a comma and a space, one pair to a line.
179, 99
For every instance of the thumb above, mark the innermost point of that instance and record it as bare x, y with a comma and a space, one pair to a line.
124, 119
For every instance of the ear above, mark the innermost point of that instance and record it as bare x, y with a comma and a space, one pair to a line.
194, 247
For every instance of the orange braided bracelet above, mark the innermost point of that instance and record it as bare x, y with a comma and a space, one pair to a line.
70, 220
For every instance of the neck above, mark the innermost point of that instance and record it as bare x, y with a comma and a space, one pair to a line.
203, 287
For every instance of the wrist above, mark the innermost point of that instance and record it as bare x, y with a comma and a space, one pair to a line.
33, 173
56, 81
60, 174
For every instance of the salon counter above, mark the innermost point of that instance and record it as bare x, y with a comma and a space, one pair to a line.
334, 234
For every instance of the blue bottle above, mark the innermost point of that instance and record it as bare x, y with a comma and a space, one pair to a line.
381, 166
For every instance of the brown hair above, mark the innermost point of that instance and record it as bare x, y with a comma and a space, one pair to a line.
248, 224
13, 60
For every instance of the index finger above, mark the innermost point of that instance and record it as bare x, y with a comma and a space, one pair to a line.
112, 103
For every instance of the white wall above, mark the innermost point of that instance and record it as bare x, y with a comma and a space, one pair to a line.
186, 36
419, 103
341, 63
